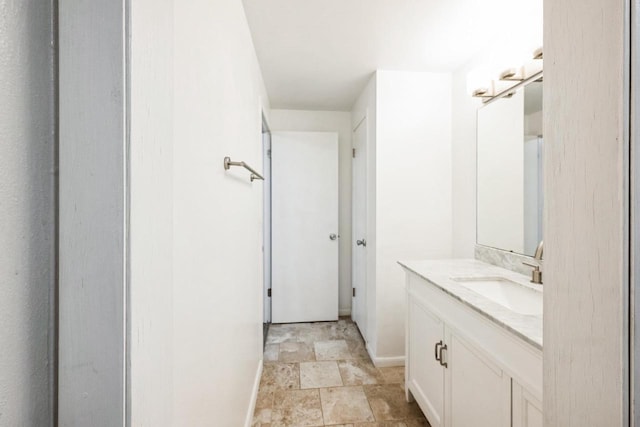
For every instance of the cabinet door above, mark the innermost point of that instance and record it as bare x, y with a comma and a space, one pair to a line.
425, 374
527, 410
478, 392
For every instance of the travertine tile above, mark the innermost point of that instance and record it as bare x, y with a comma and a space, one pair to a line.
315, 332
344, 330
332, 350
271, 352
358, 372
261, 417
319, 374
420, 422
282, 333
341, 405
405, 423
264, 403
383, 424
265, 398
280, 376
393, 375
291, 352
342, 358
388, 402
296, 408
358, 349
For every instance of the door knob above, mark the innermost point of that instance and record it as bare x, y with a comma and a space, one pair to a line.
333, 236
361, 242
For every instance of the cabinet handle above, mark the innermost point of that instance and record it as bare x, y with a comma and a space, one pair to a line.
442, 348
437, 351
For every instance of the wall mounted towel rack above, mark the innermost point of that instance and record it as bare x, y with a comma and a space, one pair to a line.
254, 175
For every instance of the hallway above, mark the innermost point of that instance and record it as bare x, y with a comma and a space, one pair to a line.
319, 374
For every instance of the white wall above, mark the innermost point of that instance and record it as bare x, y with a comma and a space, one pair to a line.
586, 185
27, 214
329, 121
92, 213
217, 215
409, 206
463, 149
413, 188
151, 212
533, 124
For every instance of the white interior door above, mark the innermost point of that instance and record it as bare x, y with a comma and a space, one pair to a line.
304, 197
359, 227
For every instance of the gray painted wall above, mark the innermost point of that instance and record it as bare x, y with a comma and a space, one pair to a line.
92, 213
27, 213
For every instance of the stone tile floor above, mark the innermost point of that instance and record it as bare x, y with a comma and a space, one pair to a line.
319, 374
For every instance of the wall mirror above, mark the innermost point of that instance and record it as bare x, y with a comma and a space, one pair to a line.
509, 171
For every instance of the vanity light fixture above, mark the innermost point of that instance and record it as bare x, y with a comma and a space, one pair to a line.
511, 78
512, 75
537, 54
482, 93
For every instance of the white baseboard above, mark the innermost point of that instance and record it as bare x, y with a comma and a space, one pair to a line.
254, 396
344, 312
385, 362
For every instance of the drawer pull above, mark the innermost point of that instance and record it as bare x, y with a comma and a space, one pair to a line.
442, 348
437, 351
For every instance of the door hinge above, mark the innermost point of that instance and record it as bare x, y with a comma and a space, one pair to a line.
353, 291
269, 153
269, 292
353, 152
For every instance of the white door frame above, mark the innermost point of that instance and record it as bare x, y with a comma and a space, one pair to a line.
359, 308
266, 224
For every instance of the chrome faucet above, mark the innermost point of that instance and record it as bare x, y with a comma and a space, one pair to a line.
536, 274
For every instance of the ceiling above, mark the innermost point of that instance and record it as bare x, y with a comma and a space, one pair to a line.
319, 54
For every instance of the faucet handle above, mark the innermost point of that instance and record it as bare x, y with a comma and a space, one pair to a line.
536, 274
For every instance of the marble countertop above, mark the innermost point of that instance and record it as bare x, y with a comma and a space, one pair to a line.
441, 272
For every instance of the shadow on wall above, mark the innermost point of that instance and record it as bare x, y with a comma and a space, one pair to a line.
28, 213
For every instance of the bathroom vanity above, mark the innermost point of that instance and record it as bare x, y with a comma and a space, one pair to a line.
473, 344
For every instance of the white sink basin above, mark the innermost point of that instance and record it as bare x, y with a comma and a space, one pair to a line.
511, 295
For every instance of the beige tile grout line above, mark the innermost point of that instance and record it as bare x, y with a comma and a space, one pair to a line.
369, 403
324, 422
340, 373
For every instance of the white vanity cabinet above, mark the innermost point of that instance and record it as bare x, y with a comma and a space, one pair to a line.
446, 375
424, 372
465, 370
526, 409
479, 392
